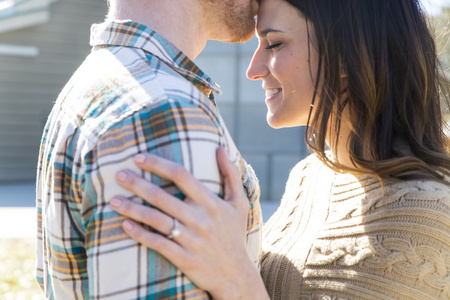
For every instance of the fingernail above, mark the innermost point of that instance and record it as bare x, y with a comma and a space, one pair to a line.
116, 202
127, 225
121, 176
225, 151
140, 158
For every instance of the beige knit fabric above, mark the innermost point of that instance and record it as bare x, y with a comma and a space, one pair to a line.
335, 236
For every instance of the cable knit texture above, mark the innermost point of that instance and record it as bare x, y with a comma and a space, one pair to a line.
337, 236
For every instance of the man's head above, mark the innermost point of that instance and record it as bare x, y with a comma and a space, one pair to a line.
188, 24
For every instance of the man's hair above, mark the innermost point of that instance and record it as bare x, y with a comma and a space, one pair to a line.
392, 90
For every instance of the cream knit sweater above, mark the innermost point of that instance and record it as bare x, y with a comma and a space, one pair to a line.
335, 236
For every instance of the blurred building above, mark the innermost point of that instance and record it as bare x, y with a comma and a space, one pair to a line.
42, 42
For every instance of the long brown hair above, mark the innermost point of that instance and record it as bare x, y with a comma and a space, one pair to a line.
387, 54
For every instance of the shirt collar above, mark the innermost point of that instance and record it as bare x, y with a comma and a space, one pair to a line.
131, 34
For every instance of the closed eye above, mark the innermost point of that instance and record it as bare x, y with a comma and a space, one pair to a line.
273, 46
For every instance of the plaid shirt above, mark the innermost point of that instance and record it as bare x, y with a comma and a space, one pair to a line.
134, 93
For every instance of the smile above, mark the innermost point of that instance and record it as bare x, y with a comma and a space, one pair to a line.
271, 93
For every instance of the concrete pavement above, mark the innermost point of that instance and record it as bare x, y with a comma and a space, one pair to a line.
17, 212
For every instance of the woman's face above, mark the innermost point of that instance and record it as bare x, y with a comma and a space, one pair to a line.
283, 63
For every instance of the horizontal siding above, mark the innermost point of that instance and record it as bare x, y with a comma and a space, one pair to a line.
29, 86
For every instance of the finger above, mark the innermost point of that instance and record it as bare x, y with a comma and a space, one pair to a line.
154, 195
154, 218
146, 215
185, 181
232, 177
166, 247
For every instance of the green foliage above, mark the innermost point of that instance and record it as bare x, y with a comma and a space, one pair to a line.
17, 261
441, 24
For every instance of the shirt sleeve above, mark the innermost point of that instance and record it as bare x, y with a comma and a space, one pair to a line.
117, 266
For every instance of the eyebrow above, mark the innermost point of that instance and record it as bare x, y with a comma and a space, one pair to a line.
265, 32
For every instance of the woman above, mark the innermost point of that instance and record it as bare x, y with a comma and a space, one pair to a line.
368, 219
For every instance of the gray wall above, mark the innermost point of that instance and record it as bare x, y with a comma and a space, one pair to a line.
28, 87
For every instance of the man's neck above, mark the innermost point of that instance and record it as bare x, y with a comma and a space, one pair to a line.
181, 25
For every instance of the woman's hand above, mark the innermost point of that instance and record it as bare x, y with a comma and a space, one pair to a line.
211, 247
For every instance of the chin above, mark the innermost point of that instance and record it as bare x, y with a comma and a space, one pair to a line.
244, 35
278, 124
273, 122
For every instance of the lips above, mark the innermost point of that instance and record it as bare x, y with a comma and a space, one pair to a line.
272, 92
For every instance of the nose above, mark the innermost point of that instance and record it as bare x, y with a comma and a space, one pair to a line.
257, 68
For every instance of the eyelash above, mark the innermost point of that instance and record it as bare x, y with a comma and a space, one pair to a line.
273, 46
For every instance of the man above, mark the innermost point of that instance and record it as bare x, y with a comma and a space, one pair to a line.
138, 91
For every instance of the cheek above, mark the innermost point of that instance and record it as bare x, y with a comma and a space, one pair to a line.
290, 67
283, 69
